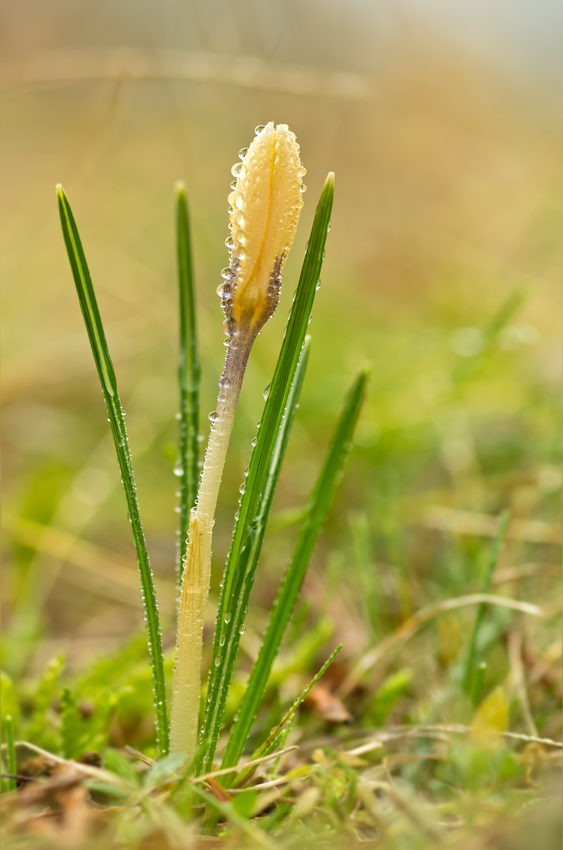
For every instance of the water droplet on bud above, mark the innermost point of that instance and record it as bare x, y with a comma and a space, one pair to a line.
228, 326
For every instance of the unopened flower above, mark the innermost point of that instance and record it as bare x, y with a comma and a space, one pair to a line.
264, 210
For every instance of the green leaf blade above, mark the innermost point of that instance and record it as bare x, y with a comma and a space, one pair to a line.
292, 581
70, 725
106, 373
189, 373
274, 740
11, 760
471, 675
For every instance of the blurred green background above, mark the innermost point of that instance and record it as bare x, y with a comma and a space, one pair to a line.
441, 270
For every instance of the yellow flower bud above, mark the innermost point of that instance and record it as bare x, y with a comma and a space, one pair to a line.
265, 206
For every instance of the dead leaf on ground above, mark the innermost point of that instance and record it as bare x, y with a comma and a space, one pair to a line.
326, 705
218, 791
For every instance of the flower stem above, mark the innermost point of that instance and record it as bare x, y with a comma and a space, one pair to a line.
197, 569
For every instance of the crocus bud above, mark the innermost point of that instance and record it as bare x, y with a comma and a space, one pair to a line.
264, 210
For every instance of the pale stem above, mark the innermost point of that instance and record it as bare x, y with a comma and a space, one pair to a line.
197, 569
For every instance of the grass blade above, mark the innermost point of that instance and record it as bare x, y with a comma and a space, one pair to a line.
492, 560
188, 375
70, 725
276, 460
11, 761
238, 578
292, 581
104, 365
271, 742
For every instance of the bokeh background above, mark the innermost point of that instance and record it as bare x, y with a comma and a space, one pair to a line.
442, 267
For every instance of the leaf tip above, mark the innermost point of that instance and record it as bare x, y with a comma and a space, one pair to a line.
62, 199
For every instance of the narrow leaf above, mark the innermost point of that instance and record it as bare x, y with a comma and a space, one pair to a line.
106, 373
276, 735
188, 375
492, 560
10, 783
70, 725
292, 581
239, 574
